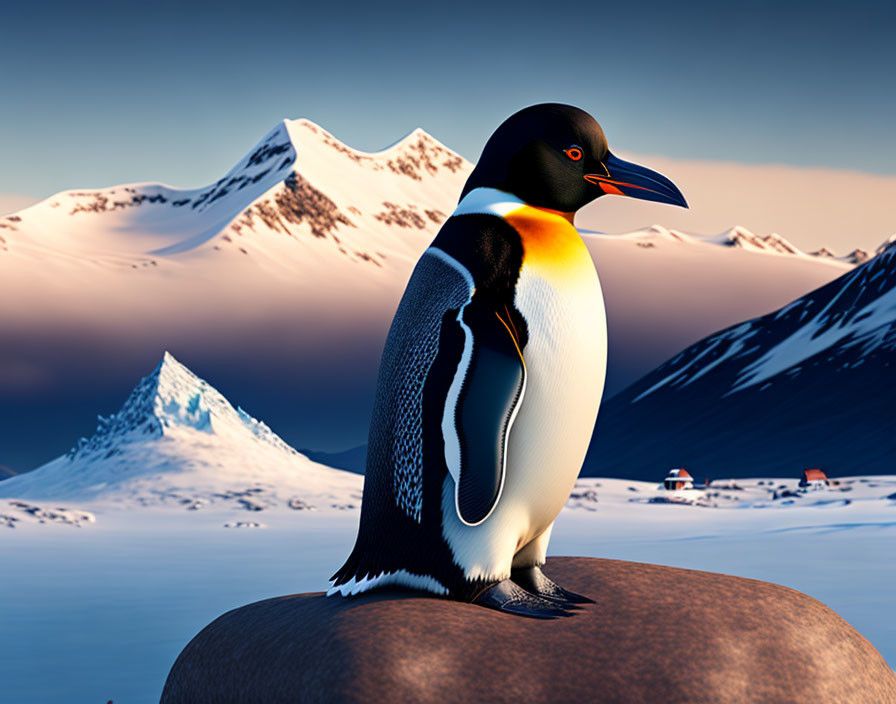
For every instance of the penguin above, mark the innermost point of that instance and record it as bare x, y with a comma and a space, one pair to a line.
492, 375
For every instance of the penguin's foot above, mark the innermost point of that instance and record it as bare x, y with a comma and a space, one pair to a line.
534, 581
513, 599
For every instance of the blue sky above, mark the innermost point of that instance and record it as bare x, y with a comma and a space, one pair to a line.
102, 93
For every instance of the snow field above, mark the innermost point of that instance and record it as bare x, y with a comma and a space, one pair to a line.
107, 607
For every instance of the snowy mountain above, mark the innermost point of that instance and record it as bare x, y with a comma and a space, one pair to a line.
295, 261
666, 289
743, 238
809, 385
856, 256
298, 183
177, 441
740, 238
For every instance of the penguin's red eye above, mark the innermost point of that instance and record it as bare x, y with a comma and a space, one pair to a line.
574, 153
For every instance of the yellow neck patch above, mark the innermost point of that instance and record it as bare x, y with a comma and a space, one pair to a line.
550, 241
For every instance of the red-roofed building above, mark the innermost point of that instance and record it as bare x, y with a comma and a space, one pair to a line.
678, 479
813, 479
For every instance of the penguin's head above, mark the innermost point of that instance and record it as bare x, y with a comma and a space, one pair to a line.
556, 156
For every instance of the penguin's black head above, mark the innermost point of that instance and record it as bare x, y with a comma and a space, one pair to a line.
556, 156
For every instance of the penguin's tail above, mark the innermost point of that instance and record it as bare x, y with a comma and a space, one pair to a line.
359, 574
343, 576
350, 578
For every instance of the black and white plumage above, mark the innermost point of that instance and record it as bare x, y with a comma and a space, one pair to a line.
492, 375
444, 324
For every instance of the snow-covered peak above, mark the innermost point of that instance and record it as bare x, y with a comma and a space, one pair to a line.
660, 232
177, 441
267, 163
168, 401
299, 180
417, 155
739, 236
856, 256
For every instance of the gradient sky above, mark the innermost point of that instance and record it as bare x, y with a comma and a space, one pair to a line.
101, 93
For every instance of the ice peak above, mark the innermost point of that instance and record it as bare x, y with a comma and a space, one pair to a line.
182, 399
172, 400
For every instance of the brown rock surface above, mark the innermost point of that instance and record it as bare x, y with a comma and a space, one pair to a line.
656, 634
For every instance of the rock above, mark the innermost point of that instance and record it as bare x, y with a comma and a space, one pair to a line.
655, 634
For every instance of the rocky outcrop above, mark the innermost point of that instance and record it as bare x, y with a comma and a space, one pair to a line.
655, 634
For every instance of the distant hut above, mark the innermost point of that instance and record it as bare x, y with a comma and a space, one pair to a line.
813, 479
678, 479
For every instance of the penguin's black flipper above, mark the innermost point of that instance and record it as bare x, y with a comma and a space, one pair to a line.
513, 599
534, 581
487, 389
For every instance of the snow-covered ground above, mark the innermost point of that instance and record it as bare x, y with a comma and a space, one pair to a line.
107, 606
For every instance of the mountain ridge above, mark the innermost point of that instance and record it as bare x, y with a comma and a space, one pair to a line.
773, 395
281, 170
277, 157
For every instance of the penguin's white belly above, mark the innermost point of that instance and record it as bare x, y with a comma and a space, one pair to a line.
566, 360
565, 357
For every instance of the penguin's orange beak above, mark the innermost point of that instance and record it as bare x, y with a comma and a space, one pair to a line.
623, 178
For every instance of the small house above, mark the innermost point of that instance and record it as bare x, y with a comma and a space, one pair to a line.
813, 479
678, 479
